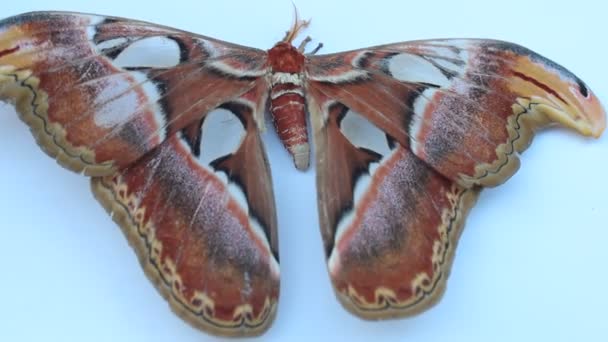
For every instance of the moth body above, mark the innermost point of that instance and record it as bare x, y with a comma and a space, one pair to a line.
287, 101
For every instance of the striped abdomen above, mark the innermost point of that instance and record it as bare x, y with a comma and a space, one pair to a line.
287, 106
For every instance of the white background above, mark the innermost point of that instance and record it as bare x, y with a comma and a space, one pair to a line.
531, 264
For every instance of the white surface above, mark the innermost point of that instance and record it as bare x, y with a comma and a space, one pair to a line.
531, 264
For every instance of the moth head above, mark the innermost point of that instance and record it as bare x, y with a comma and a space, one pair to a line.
284, 57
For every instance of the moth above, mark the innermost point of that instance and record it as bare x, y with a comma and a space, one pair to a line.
406, 135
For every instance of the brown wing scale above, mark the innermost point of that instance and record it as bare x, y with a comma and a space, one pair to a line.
443, 119
213, 256
130, 103
465, 107
90, 105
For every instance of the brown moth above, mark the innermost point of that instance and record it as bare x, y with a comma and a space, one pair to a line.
447, 118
